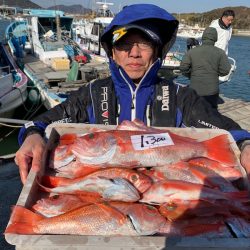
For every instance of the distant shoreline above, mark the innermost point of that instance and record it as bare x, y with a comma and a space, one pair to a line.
238, 32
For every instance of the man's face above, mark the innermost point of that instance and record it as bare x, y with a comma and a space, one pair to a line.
227, 20
135, 54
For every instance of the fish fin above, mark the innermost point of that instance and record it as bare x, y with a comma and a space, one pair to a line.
19, 228
67, 139
193, 230
54, 181
219, 149
113, 212
242, 196
22, 221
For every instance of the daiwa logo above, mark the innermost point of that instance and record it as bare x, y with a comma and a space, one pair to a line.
165, 98
104, 105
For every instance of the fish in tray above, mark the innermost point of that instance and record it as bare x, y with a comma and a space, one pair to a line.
139, 180
146, 219
230, 173
140, 148
109, 189
60, 204
186, 171
94, 219
168, 190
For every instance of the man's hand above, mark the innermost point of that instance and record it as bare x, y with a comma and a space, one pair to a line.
30, 155
245, 159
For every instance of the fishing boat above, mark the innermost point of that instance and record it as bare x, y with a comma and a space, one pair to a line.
172, 60
186, 31
54, 63
87, 32
13, 84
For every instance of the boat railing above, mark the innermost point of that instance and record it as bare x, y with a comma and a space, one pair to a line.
5, 70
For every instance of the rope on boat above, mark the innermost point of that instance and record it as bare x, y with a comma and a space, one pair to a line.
10, 126
6, 157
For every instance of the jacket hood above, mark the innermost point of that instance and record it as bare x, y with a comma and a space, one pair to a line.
209, 36
149, 17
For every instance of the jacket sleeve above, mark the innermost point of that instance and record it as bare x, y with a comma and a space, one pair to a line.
196, 112
224, 65
185, 66
74, 109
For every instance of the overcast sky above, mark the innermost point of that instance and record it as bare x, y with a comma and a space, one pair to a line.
177, 6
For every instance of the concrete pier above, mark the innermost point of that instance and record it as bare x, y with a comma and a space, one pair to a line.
236, 109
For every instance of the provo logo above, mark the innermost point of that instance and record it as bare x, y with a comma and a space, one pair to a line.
104, 105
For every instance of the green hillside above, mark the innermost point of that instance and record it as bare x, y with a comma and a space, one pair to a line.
242, 17
22, 4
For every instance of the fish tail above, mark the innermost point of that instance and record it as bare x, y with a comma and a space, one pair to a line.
219, 149
22, 221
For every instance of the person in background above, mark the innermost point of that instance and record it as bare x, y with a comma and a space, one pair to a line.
192, 43
224, 29
203, 65
136, 41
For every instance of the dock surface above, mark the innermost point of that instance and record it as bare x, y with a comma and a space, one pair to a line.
236, 109
10, 188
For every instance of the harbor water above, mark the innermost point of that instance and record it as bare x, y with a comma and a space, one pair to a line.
239, 49
237, 88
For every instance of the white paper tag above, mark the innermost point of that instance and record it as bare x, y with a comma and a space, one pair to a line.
146, 141
29, 124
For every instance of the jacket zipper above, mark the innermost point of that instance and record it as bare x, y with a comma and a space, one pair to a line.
133, 93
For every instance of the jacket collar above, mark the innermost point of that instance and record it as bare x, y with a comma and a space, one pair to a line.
131, 98
223, 25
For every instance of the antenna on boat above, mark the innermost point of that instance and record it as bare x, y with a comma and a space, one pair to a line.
58, 22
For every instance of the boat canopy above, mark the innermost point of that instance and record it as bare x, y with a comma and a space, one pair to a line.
45, 13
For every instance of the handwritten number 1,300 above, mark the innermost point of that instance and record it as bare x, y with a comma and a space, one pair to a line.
150, 140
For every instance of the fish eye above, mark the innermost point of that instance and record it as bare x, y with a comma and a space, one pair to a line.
134, 177
151, 211
150, 207
171, 206
91, 136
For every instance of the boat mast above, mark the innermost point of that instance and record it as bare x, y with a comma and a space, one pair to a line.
104, 8
58, 28
58, 23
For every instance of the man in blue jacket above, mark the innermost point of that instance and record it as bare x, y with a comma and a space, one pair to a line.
136, 42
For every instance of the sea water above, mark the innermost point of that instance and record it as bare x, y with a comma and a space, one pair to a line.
239, 49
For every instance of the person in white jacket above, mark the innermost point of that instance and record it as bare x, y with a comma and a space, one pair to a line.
224, 29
